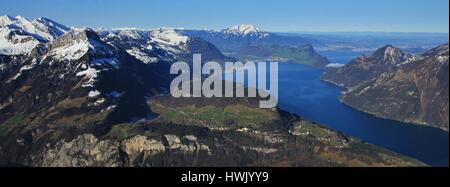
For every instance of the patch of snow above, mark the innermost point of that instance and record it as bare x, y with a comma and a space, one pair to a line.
111, 107
24, 68
94, 93
90, 74
71, 52
170, 49
335, 65
168, 37
99, 101
138, 54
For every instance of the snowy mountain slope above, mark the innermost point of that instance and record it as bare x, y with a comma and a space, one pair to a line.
79, 69
165, 36
137, 43
18, 35
162, 44
50, 27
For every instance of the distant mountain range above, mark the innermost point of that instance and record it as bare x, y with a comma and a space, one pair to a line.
247, 42
151, 46
396, 85
231, 39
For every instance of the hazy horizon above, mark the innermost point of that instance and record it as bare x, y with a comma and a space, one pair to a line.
410, 16
225, 27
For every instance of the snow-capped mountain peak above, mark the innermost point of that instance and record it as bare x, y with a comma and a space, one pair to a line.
18, 35
244, 30
168, 36
23, 24
51, 27
76, 43
6, 20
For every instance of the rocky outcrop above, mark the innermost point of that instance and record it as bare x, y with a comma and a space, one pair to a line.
141, 145
85, 150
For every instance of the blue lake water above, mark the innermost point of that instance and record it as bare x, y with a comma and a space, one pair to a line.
303, 93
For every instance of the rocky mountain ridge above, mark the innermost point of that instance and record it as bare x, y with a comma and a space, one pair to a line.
163, 43
394, 85
365, 68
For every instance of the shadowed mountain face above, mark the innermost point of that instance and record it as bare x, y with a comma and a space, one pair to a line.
414, 90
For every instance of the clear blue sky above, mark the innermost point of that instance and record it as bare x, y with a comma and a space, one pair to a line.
271, 15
